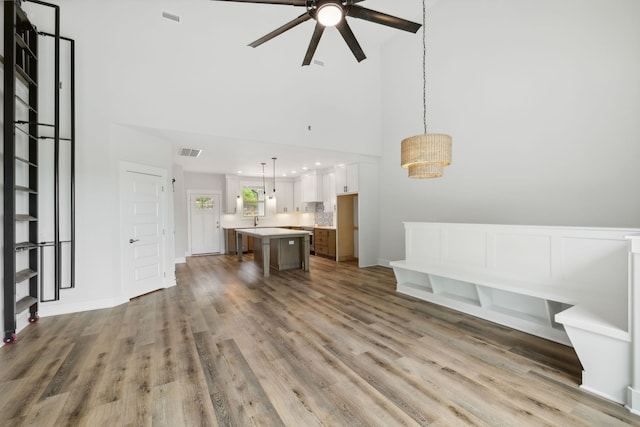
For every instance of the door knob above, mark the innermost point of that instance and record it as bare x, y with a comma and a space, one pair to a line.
133, 240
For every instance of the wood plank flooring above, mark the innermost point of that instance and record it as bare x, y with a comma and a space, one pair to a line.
336, 346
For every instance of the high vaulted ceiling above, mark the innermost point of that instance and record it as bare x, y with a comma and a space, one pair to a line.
248, 22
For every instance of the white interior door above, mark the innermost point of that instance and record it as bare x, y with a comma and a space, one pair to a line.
204, 220
142, 198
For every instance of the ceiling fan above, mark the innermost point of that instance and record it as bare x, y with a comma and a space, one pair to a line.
332, 13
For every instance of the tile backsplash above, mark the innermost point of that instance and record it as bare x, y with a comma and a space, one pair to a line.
322, 217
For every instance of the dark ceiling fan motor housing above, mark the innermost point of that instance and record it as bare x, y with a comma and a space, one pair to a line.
348, 8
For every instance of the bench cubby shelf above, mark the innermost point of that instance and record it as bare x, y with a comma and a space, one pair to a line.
527, 313
567, 284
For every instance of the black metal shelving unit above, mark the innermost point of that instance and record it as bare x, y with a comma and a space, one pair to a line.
23, 132
20, 166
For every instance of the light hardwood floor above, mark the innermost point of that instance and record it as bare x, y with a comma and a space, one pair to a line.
335, 347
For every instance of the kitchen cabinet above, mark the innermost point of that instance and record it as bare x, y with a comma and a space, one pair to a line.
329, 192
324, 241
347, 179
311, 188
230, 240
297, 195
231, 194
284, 197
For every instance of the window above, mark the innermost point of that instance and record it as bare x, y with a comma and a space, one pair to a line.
204, 203
253, 201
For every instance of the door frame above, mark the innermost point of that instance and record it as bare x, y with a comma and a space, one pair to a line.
221, 236
169, 273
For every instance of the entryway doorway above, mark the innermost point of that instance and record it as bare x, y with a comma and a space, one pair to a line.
204, 223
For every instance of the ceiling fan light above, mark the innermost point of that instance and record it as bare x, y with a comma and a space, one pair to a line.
329, 14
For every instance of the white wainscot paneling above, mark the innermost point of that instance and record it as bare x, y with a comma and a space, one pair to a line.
508, 259
465, 248
598, 264
423, 244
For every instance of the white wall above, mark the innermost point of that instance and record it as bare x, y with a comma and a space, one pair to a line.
542, 99
199, 76
368, 201
98, 238
180, 214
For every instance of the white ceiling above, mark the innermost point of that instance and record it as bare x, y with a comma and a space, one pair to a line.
226, 155
231, 156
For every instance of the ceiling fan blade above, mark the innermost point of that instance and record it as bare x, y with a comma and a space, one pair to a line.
313, 44
382, 18
289, 25
285, 2
350, 38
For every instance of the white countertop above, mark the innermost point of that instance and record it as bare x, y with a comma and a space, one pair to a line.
272, 232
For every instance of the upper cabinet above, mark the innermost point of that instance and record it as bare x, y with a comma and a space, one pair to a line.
329, 191
231, 193
297, 195
311, 188
284, 197
347, 179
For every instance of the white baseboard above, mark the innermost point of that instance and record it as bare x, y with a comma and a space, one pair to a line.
384, 262
182, 260
633, 400
57, 307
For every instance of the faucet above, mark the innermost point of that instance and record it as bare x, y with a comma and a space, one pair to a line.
255, 221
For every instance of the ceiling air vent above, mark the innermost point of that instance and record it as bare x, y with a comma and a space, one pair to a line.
189, 152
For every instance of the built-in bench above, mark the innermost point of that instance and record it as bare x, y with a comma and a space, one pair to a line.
566, 284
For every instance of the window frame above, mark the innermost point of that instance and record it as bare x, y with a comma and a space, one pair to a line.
259, 201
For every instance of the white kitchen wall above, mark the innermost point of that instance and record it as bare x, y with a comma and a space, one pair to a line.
542, 98
271, 218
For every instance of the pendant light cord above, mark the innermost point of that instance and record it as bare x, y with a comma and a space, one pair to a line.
274, 174
424, 64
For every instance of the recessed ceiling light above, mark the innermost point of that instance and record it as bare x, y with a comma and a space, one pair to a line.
318, 163
294, 172
239, 172
284, 174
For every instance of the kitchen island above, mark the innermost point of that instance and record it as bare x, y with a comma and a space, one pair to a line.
280, 248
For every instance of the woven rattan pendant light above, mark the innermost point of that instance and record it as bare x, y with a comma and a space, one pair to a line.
426, 155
